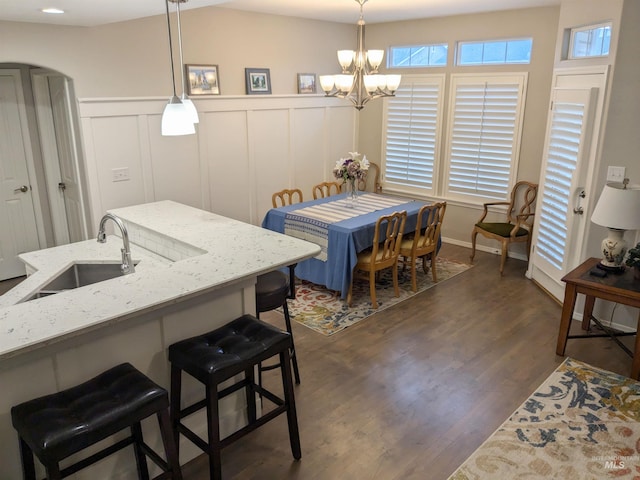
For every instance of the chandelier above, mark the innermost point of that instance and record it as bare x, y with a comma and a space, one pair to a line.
360, 80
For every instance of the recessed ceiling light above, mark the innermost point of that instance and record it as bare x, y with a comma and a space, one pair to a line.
52, 10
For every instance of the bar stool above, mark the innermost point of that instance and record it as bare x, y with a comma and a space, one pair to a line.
272, 291
56, 426
238, 347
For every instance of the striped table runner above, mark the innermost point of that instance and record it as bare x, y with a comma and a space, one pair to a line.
312, 223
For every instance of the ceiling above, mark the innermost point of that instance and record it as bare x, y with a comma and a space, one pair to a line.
99, 12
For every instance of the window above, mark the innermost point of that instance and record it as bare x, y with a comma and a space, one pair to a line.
418, 56
483, 140
591, 41
495, 52
413, 125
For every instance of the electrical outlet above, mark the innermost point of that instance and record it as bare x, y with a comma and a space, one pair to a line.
120, 174
616, 174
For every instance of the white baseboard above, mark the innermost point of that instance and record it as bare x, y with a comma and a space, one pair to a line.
483, 248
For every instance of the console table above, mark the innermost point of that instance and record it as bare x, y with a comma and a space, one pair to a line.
619, 288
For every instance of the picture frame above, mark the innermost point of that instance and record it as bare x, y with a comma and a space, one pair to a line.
202, 79
258, 81
306, 83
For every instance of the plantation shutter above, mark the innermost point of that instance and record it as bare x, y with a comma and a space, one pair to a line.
485, 128
567, 143
412, 120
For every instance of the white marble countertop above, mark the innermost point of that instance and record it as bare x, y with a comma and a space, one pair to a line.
213, 251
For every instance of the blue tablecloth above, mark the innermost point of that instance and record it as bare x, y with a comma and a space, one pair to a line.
345, 239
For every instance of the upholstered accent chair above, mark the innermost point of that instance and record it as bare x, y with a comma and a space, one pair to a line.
518, 225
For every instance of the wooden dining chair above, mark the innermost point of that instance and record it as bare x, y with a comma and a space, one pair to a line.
519, 220
325, 189
371, 181
384, 253
424, 242
286, 197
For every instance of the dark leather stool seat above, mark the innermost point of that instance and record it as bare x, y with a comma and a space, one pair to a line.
56, 426
238, 347
272, 291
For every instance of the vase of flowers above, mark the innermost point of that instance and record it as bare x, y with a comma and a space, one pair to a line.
351, 170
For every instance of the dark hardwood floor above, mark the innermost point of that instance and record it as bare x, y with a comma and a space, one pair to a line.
412, 391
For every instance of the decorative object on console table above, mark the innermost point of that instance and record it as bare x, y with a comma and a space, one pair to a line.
633, 261
202, 79
306, 83
351, 170
258, 81
618, 209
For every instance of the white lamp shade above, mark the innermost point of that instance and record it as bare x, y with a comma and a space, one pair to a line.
176, 120
345, 57
191, 109
371, 83
375, 58
393, 82
344, 82
618, 207
326, 82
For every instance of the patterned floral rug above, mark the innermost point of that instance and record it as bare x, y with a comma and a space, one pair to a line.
581, 423
325, 312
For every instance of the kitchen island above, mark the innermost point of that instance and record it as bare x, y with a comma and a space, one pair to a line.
195, 271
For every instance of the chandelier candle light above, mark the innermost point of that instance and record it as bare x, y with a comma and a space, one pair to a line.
360, 80
351, 170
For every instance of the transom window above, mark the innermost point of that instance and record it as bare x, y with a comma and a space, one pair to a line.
591, 41
495, 52
434, 55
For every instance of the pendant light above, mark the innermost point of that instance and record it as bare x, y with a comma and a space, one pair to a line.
186, 101
175, 117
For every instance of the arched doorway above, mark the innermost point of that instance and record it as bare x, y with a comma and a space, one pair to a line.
41, 174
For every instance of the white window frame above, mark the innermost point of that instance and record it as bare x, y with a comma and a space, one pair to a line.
455, 139
427, 46
587, 28
432, 139
484, 43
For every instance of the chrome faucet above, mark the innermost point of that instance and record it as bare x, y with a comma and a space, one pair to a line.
127, 264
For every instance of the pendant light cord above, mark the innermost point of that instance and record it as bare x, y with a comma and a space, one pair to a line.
180, 46
173, 75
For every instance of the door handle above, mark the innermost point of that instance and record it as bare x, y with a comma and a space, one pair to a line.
23, 189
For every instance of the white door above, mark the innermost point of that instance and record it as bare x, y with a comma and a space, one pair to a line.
566, 180
18, 231
69, 183
60, 156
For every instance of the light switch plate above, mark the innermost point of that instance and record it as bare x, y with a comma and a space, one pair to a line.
616, 174
120, 174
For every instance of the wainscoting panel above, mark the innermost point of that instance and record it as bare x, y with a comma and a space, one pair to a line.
245, 149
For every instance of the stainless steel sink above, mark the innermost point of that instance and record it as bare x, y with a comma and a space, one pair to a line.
79, 275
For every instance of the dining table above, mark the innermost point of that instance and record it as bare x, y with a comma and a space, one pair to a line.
341, 229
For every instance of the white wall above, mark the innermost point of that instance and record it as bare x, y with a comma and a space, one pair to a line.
245, 149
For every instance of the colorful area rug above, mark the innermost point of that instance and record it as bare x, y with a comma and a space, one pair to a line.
325, 312
581, 423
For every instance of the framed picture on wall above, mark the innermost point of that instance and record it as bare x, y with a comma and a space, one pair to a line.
258, 81
202, 79
306, 83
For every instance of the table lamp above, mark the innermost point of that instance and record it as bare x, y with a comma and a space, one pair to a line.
618, 209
